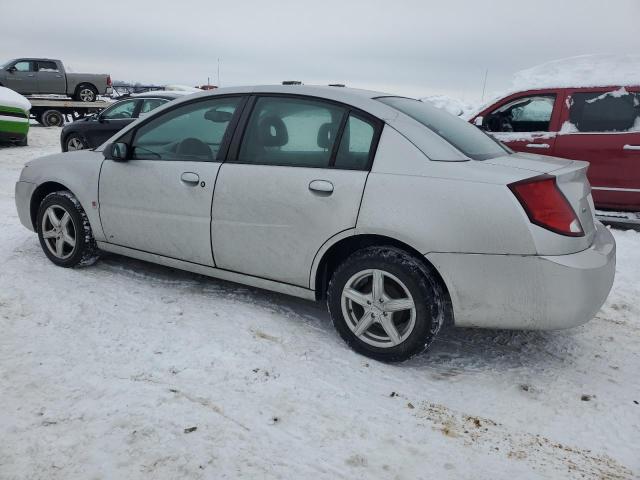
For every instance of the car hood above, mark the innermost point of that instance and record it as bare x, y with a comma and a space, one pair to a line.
529, 161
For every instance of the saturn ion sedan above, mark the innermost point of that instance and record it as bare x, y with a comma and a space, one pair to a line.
399, 215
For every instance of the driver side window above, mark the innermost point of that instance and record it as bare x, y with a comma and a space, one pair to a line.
191, 132
23, 66
121, 111
528, 114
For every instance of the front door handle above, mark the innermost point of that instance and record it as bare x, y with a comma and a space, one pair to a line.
321, 186
190, 178
631, 147
537, 145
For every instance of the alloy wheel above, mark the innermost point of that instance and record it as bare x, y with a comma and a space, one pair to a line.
59, 232
378, 308
75, 143
86, 95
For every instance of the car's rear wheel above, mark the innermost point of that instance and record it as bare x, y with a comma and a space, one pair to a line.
74, 142
385, 303
86, 93
64, 231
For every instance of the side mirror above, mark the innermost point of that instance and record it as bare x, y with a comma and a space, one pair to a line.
12, 69
479, 122
118, 152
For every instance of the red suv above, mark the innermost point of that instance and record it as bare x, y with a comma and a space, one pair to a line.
600, 125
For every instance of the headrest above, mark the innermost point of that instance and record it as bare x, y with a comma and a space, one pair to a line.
272, 132
326, 134
193, 146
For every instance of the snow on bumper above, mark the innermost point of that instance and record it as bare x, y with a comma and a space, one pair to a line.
529, 292
24, 190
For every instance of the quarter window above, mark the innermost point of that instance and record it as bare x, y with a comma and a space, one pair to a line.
291, 131
529, 114
192, 132
616, 111
356, 144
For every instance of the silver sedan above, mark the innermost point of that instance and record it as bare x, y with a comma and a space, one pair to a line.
398, 215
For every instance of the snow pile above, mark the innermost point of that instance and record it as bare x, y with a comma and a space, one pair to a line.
9, 98
452, 105
182, 88
581, 71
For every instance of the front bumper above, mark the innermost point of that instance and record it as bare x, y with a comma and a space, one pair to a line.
529, 292
24, 191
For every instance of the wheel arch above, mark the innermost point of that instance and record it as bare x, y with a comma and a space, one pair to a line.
38, 195
346, 243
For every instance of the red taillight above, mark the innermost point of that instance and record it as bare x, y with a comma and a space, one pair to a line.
546, 206
108, 80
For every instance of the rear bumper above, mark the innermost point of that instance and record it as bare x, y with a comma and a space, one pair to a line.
24, 191
529, 292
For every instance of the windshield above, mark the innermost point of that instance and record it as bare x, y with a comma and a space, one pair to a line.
470, 140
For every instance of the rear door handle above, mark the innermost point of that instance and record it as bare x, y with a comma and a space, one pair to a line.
631, 147
321, 186
190, 178
537, 145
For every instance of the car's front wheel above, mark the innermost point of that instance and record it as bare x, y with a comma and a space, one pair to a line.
385, 303
75, 142
64, 231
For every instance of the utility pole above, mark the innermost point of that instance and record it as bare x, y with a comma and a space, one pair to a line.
484, 84
219, 73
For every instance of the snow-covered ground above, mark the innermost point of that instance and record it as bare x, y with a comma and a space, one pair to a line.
127, 370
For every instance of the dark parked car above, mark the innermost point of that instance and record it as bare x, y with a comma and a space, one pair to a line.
93, 131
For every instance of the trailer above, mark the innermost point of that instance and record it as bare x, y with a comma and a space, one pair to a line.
54, 112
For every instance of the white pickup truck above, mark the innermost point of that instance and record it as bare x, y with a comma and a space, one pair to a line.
45, 76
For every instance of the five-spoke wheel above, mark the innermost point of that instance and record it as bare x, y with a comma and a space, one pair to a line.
58, 231
64, 231
378, 308
386, 303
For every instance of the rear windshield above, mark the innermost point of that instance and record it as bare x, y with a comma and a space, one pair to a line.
470, 140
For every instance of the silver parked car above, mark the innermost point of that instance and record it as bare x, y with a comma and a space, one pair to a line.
398, 214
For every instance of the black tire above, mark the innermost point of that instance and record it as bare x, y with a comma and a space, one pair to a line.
85, 251
423, 285
52, 118
86, 93
22, 143
74, 138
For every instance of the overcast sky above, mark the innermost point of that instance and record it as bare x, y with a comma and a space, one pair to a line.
415, 48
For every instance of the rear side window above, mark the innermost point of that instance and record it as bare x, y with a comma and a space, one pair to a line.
616, 111
149, 104
47, 66
470, 140
291, 131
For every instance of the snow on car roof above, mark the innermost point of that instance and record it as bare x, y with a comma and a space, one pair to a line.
9, 98
581, 71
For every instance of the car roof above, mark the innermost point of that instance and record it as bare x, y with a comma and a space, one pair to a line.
155, 94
